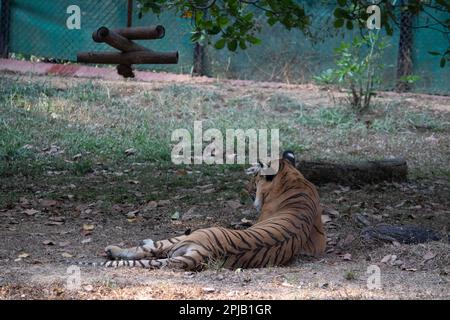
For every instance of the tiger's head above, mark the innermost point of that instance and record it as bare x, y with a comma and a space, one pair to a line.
269, 179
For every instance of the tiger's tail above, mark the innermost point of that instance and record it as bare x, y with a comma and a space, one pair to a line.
114, 263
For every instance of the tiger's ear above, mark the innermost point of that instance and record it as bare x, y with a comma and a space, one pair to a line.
289, 156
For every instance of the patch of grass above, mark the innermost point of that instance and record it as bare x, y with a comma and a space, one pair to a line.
100, 121
338, 117
426, 121
283, 103
395, 122
350, 275
215, 264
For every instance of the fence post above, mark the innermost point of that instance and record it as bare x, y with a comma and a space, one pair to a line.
198, 68
130, 13
4, 28
405, 46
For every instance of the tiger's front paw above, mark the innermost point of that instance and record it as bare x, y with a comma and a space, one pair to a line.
113, 252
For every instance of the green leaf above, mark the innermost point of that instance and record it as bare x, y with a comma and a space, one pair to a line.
338, 13
253, 40
208, 24
434, 53
220, 44
272, 20
338, 23
443, 61
349, 25
342, 2
222, 21
242, 45
232, 45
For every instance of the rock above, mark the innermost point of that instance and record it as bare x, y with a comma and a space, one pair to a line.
208, 290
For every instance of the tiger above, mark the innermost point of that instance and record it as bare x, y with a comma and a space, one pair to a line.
289, 224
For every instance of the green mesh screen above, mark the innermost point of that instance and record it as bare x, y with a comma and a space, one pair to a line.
38, 27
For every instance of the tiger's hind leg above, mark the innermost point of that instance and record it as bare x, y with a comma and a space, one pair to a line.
149, 249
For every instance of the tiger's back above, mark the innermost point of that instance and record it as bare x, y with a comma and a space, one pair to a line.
289, 224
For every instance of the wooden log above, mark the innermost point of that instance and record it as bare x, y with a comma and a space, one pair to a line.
128, 58
142, 33
115, 40
356, 173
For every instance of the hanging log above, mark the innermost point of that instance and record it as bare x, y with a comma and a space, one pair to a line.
127, 58
356, 173
142, 33
132, 53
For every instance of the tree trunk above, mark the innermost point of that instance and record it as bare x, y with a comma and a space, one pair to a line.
356, 173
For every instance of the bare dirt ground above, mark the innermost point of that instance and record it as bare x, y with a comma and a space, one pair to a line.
48, 222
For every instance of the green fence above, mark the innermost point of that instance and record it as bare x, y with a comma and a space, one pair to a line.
38, 28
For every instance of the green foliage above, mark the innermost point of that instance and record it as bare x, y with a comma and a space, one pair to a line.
233, 20
358, 65
233, 24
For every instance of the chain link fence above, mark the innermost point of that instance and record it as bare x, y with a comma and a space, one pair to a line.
38, 29
291, 56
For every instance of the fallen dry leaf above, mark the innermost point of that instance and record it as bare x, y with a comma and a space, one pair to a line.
132, 214
152, 204
330, 212
175, 216
130, 151
30, 212
429, 255
390, 258
46, 203
88, 288
325, 218
64, 243
347, 257
233, 204
54, 223
66, 255
162, 203
48, 243
23, 255
181, 172
88, 227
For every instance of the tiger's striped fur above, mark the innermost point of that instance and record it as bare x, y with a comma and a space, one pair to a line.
289, 224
